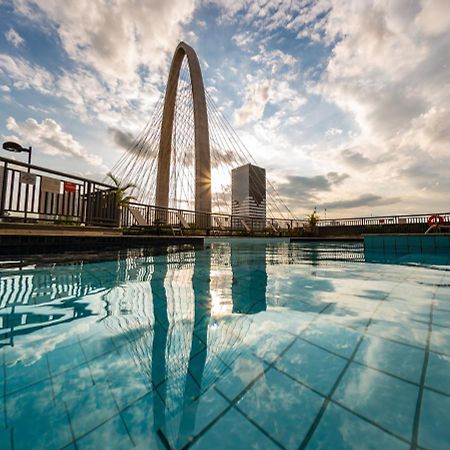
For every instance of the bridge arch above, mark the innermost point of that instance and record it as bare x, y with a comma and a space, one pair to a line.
201, 131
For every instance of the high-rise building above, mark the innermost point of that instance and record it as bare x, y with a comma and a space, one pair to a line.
248, 192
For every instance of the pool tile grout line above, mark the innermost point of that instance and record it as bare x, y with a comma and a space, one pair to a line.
327, 399
4, 390
325, 403
125, 346
370, 421
385, 372
260, 428
163, 439
395, 341
120, 414
86, 361
324, 348
50, 378
302, 383
40, 380
238, 397
416, 424
82, 435
74, 441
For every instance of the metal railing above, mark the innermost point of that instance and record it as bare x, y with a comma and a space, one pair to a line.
36, 194
402, 219
142, 215
32, 193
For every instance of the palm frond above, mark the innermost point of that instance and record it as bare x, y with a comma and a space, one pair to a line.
127, 199
114, 179
128, 186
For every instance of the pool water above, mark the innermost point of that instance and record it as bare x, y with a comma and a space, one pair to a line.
246, 345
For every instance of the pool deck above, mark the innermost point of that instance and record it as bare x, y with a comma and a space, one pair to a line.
26, 239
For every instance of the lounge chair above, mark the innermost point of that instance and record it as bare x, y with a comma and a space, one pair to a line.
138, 217
218, 223
182, 220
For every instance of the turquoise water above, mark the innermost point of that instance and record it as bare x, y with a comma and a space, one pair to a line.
243, 345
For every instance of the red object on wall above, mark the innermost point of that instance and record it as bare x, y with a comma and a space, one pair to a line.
70, 187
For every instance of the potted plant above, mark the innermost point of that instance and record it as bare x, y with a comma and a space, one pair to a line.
122, 197
311, 221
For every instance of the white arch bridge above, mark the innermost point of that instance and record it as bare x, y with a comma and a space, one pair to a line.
179, 167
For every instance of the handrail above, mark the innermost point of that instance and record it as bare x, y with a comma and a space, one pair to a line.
54, 172
385, 216
191, 211
206, 217
70, 198
397, 219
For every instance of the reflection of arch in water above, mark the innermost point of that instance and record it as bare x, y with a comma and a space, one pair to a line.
162, 338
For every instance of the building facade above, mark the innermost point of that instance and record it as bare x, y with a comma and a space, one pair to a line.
248, 194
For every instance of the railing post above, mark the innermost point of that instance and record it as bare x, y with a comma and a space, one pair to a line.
3, 193
88, 204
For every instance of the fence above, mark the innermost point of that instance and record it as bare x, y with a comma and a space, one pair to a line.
141, 215
403, 219
32, 193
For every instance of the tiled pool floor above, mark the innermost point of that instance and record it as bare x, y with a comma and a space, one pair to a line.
236, 346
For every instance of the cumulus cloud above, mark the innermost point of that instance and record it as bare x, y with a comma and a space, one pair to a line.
120, 53
86, 94
255, 102
123, 139
434, 17
49, 137
14, 37
243, 39
376, 68
260, 91
333, 132
387, 71
25, 75
308, 189
114, 37
364, 200
272, 14
426, 173
355, 158
429, 131
274, 60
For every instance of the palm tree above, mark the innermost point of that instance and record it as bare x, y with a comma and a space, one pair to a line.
311, 221
120, 189
122, 198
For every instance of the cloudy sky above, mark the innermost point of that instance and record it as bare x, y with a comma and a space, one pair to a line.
345, 102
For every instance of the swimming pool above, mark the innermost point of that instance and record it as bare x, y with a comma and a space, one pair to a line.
240, 345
